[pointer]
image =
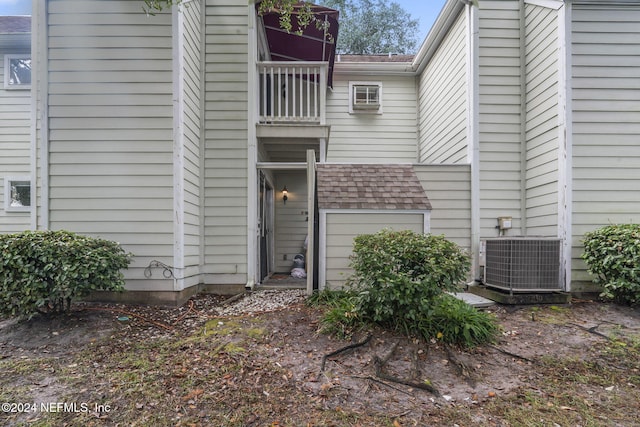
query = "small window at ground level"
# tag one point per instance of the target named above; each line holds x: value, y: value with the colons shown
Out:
x: 17, y: 71
x: 365, y: 97
x: 17, y: 194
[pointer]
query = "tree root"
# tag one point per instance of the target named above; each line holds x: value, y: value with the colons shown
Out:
x: 591, y: 330
x: 415, y: 364
x: 343, y: 349
x: 508, y: 353
x: 376, y: 380
x: 380, y: 363
x: 461, y: 369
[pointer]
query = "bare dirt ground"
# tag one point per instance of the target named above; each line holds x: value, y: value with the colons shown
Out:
x: 114, y: 365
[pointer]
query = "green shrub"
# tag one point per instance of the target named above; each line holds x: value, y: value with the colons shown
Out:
x: 398, y: 274
x: 341, y: 317
x: 612, y: 254
x: 453, y: 321
x: 43, y: 271
x: 399, y: 281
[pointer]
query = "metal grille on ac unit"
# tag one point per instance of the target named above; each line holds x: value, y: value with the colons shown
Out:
x: 522, y: 264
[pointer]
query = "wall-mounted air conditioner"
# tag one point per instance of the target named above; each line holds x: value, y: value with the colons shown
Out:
x: 522, y: 264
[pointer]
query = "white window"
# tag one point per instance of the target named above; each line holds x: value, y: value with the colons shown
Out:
x: 17, y: 71
x: 365, y: 97
x: 17, y: 194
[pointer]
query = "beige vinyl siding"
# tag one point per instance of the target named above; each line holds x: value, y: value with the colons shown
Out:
x: 111, y: 128
x: 226, y: 86
x: 541, y: 121
x: 389, y: 137
x: 442, y: 102
x: 448, y: 188
x: 499, y: 115
x: 606, y: 121
x: 290, y: 218
x: 191, y: 122
x: 342, y: 228
x: 15, y: 113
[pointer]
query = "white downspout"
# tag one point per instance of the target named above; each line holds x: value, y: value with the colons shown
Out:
x: 473, y: 132
x: 33, y: 118
x: 178, y: 149
x: 565, y: 133
x: 43, y: 59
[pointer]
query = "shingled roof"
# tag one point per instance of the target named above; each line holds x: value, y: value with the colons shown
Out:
x: 370, y: 186
x: 15, y: 24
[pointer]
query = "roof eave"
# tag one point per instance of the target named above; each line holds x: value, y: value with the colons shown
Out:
x: 373, y: 68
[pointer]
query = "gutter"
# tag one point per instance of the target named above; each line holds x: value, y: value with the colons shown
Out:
x: 373, y: 68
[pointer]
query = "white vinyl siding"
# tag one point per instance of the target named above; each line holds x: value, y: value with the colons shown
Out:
x: 191, y: 129
x: 541, y: 121
x: 15, y: 111
x: 226, y: 133
x: 111, y: 128
x: 443, y: 99
x: 342, y: 228
x: 373, y: 138
x: 606, y: 121
x: 499, y: 115
x: 448, y: 188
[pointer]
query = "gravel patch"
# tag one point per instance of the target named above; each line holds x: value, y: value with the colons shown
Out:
x: 262, y: 301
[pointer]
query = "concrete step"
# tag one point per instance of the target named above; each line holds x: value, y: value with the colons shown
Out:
x: 474, y: 300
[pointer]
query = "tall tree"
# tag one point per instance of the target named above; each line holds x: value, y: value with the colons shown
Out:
x: 366, y: 26
x: 285, y: 8
x: 374, y: 27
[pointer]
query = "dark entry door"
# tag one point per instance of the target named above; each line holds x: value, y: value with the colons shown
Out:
x: 265, y: 226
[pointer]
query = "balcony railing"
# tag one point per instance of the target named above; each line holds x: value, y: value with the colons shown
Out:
x: 292, y: 92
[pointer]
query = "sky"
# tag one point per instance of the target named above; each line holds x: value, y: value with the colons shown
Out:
x: 15, y: 7
x: 426, y: 11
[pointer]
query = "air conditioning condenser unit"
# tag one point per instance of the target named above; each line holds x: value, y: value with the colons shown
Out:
x: 522, y: 264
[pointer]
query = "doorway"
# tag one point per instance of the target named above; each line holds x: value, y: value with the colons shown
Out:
x: 287, y: 226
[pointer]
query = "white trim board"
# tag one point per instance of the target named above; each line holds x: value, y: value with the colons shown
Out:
x: 178, y: 149
x: 550, y: 4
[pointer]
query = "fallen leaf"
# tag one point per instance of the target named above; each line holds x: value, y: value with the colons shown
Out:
x: 193, y: 394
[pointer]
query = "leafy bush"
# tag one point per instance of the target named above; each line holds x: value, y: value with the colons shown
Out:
x: 455, y: 322
x: 43, y: 271
x: 612, y: 254
x: 398, y: 274
x: 399, y: 281
x: 451, y: 321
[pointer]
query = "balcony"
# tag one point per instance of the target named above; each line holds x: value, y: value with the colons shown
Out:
x: 292, y: 93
